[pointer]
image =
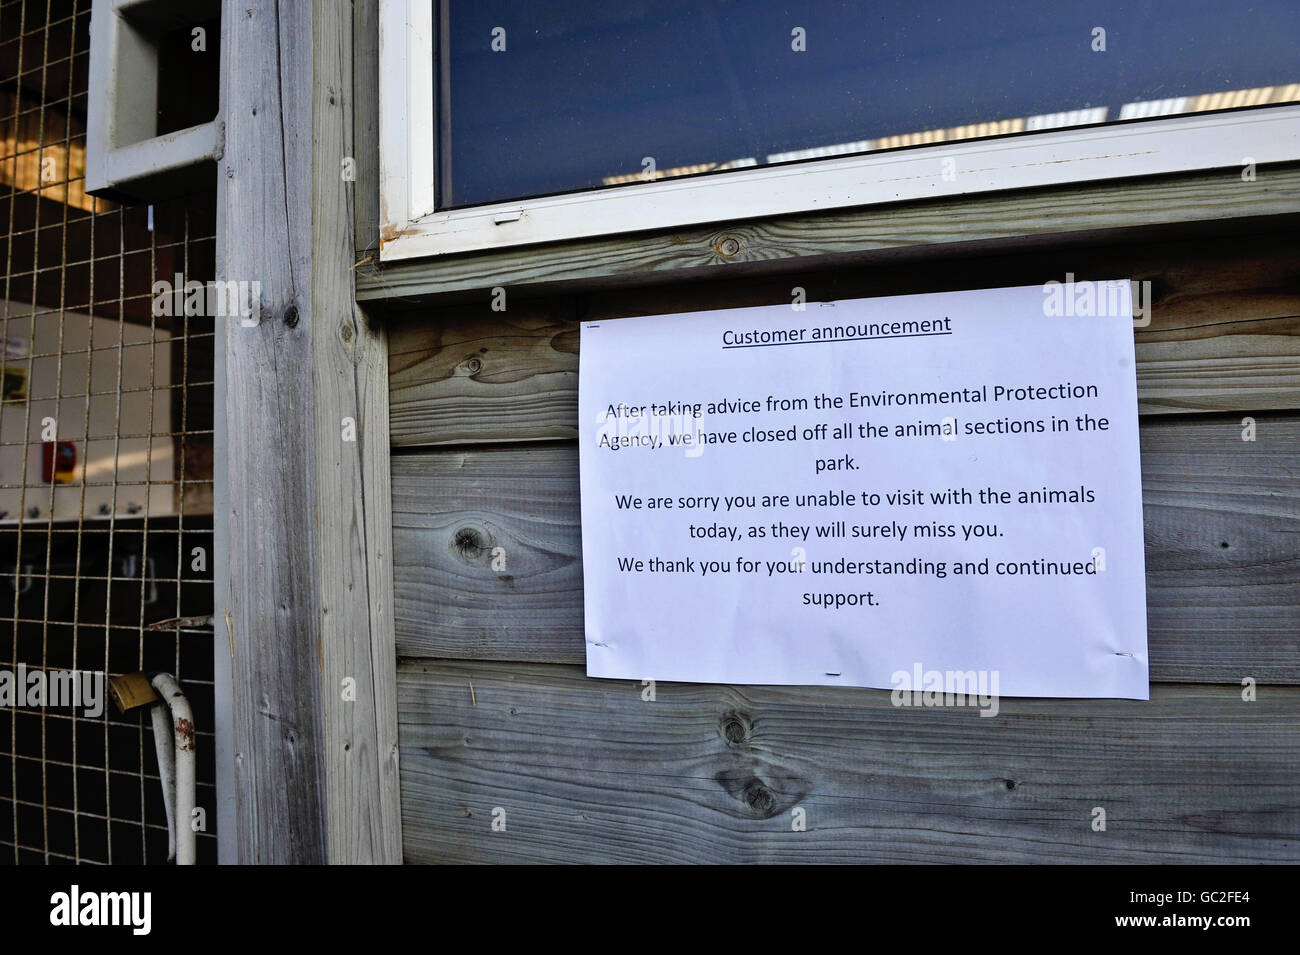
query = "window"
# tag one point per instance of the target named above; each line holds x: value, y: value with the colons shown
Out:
x: 511, y: 123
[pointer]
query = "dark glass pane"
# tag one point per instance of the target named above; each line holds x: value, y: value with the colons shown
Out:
x: 585, y: 90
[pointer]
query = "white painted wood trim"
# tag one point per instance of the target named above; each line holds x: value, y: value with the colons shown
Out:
x: 406, y: 113
x: 123, y: 156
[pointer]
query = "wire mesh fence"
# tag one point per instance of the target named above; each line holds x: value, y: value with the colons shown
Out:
x: 105, y: 467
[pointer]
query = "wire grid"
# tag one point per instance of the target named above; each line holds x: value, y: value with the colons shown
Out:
x: 127, y: 586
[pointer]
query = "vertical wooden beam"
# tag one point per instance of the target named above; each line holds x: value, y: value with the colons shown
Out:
x: 270, y: 605
x: 354, y: 516
x: 305, y: 591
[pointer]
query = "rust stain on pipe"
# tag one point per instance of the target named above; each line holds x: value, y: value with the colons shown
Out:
x: 185, y: 734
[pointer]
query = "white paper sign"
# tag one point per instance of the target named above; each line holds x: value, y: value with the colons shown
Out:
x: 869, y: 493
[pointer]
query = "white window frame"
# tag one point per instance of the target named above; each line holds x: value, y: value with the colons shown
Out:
x: 411, y: 227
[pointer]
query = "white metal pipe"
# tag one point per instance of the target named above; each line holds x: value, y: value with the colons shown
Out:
x: 183, y: 742
x: 164, y: 745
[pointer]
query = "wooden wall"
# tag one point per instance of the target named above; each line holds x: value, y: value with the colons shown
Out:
x: 495, y: 711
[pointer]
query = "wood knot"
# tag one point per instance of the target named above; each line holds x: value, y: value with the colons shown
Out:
x: 753, y: 797
x: 760, y: 799
x: 470, y: 543
x: 291, y: 316
x: 728, y: 246
x: 736, y: 728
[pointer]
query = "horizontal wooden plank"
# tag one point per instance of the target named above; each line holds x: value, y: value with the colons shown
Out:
x: 1151, y: 206
x: 1222, y: 527
x: 1224, y: 334
x: 582, y: 770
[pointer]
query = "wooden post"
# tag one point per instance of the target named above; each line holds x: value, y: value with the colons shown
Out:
x: 305, y: 590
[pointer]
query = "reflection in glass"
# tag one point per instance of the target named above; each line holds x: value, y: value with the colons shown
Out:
x: 543, y: 97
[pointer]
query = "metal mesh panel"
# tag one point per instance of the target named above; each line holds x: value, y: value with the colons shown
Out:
x: 105, y: 464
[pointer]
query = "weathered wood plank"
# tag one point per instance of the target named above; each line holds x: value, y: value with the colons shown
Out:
x: 1153, y: 206
x: 1224, y: 334
x: 269, y: 606
x: 353, y: 520
x: 303, y: 589
x: 589, y: 771
x: 1222, y: 528
x: 365, y: 123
